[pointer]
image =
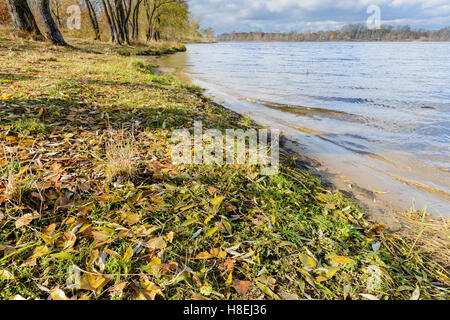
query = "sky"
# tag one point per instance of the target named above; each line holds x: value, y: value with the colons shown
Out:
x: 314, y: 15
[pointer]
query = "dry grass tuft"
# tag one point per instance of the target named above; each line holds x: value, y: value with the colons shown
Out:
x: 121, y: 162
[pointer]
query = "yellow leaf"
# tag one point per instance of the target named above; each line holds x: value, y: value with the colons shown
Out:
x: 320, y: 199
x: 229, y: 281
x: 6, y: 96
x: 204, y: 255
x: 376, y: 229
x: 58, y: 294
x: 23, y: 169
x: 39, y: 252
x: 50, y: 229
x: 211, y: 231
x: 218, y: 253
x: 267, y: 291
x: 6, y: 275
x: 128, y: 254
x: 331, y: 271
x: 208, y: 219
x: 217, y: 201
x: 342, y: 260
x: 100, y: 235
x: 155, y: 261
x: 92, y: 282
x: 61, y: 255
x: 170, y: 236
x: 149, y: 291
x: 131, y: 218
x: 188, y: 207
x: 157, y: 243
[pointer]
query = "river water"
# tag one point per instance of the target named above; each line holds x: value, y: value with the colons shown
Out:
x: 375, y: 115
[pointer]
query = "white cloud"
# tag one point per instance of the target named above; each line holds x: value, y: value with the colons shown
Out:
x: 287, y: 15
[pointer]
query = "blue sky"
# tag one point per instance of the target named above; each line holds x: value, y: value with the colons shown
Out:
x: 304, y: 15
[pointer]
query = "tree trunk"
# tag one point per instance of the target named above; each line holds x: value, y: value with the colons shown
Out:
x: 51, y: 30
x: 93, y: 18
x: 22, y: 17
x: 135, y: 21
x: 111, y: 21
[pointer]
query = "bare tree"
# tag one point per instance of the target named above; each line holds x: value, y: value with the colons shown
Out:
x: 22, y: 17
x: 56, y: 8
x: 93, y: 18
x: 135, y: 20
x: 153, y: 11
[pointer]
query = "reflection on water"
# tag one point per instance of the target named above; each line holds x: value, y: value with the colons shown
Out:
x: 375, y: 113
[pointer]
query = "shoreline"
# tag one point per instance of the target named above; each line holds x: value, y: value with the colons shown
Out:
x: 399, y: 220
x: 384, y: 179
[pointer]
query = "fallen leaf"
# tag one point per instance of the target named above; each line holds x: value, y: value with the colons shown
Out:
x: 131, y: 218
x: 100, y: 235
x: 212, y: 190
x: 342, y: 260
x: 211, y: 231
x: 218, y: 253
x: 157, y: 243
x: 376, y: 246
x: 92, y: 282
x: 39, y: 252
x: 204, y: 255
x: 49, y: 230
x: 149, y: 291
x: 24, y: 220
x: 67, y: 241
x: 118, y: 288
x: 6, y: 275
x: 378, y: 228
x: 58, y: 294
x: 369, y: 296
x: 416, y: 294
x: 128, y: 254
x: 217, y: 201
x: 307, y: 261
x: 170, y: 236
x: 241, y: 286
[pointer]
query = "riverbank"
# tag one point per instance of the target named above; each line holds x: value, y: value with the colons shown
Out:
x: 380, y: 207
x: 87, y: 184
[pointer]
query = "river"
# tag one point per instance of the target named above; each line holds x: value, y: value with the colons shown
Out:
x: 376, y: 115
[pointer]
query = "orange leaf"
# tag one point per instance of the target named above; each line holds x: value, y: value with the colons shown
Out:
x: 241, y: 286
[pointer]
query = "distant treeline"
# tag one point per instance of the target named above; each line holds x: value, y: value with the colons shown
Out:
x: 352, y: 32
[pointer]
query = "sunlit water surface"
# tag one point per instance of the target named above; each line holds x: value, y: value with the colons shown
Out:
x: 376, y: 114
